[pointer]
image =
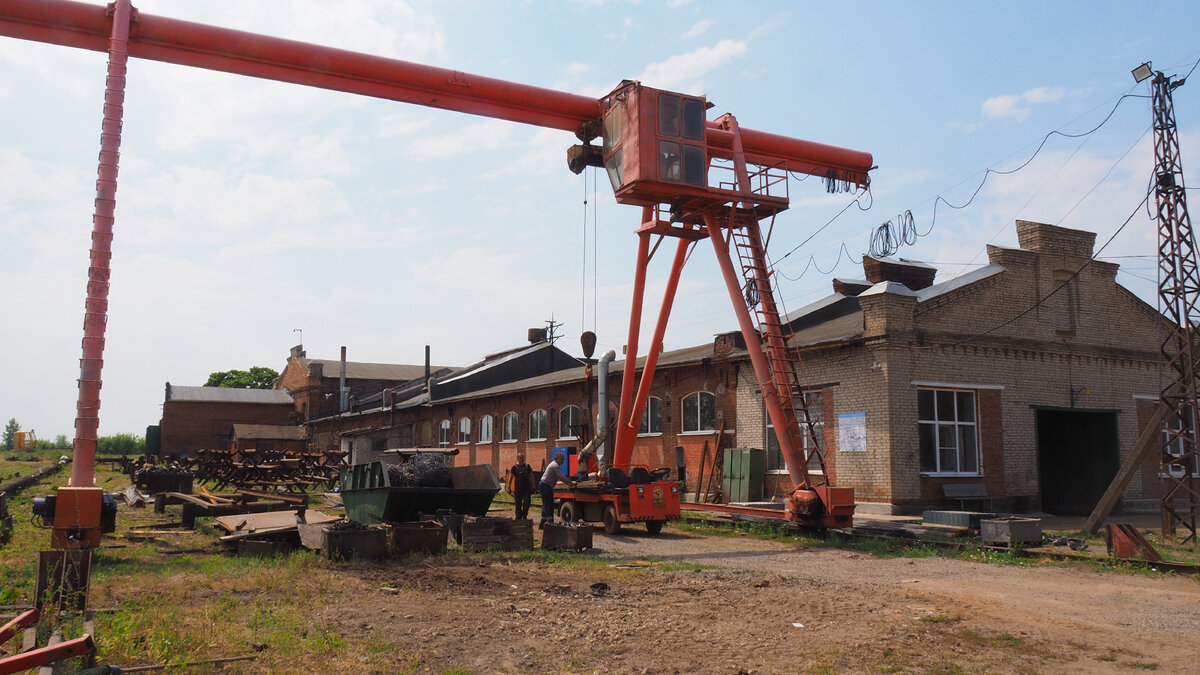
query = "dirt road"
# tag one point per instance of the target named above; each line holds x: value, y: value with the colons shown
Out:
x: 725, y: 604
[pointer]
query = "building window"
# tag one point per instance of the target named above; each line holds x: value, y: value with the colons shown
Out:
x: 815, y: 401
x: 568, y: 422
x: 651, y: 417
x: 444, y: 434
x: 464, y: 430
x: 948, y: 432
x: 699, y: 412
x: 1176, y: 446
x: 485, y: 429
x: 510, y: 427
x: 537, y: 425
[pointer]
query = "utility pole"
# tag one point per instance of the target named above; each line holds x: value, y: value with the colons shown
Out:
x: 1178, y: 295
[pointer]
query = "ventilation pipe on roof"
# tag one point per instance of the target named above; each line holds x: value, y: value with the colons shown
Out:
x: 343, y: 398
x: 602, y: 400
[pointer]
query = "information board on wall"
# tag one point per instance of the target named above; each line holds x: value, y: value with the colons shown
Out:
x: 852, y: 432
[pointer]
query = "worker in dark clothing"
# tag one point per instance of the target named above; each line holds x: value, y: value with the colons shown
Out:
x: 522, y: 485
x: 550, y: 477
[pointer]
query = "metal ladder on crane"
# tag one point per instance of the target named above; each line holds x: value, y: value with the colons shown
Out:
x: 783, y: 361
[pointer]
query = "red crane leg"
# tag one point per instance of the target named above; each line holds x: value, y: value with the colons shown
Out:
x: 624, y: 451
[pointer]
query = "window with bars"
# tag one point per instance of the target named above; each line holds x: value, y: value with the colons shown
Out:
x: 815, y: 401
x: 949, y: 435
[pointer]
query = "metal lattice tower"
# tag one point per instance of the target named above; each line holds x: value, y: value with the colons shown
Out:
x: 1178, y: 294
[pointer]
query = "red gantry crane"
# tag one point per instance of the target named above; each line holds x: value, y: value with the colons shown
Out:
x: 694, y: 179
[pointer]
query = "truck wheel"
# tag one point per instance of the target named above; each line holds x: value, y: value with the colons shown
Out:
x: 611, y: 524
x: 567, y: 512
x: 654, y: 526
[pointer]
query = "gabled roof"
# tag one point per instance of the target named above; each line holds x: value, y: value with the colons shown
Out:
x: 227, y: 395
x: 268, y: 432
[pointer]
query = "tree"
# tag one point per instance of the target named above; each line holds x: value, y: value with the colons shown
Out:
x: 121, y: 444
x: 10, y: 433
x: 255, y: 378
x: 60, y: 441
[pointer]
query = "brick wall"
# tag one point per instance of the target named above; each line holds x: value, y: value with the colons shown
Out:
x: 188, y: 426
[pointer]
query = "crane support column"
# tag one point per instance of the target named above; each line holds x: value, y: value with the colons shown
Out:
x: 77, y: 518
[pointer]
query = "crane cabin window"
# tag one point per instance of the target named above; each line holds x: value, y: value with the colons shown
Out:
x: 682, y: 118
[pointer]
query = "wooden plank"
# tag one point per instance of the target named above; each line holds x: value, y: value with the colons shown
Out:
x: 250, y: 523
x: 1146, y: 441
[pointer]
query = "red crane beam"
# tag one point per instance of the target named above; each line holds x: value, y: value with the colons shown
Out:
x: 86, y: 26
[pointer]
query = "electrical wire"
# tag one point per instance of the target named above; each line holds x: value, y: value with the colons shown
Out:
x: 1051, y: 294
x: 889, y: 236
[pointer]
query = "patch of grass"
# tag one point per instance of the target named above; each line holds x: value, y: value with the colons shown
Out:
x: 980, y: 640
x: 1140, y: 665
x: 939, y: 618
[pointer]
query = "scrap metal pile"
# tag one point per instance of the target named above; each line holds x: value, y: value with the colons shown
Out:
x: 256, y: 469
x: 420, y: 471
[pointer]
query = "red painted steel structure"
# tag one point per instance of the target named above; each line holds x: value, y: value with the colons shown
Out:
x: 87, y: 422
x: 648, y: 175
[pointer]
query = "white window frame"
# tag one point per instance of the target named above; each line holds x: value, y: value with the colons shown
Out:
x: 485, y: 429
x: 959, y: 426
x: 444, y: 434
x: 815, y: 400
x: 464, y: 431
x: 540, y: 414
x: 651, y: 424
x: 567, y: 410
x: 504, y: 429
x: 700, y: 428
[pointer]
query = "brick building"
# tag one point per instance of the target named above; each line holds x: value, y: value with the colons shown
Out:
x: 201, y: 418
x: 1032, y: 376
x: 314, y: 383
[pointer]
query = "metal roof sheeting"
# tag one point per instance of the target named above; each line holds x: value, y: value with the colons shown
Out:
x: 227, y: 395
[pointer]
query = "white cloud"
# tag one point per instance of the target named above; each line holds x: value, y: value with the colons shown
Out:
x: 1016, y: 106
x: 678, y: 3
x: 487, y: 135
x: 682, y: 72
x: 698, y: 29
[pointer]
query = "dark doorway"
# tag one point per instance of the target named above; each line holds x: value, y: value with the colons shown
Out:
x: 1077, y: 458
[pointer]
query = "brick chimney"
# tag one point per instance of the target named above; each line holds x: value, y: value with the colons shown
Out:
x: 1054, y: 241
x: 915, y: 275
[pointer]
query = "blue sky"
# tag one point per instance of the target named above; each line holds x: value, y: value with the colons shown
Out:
x: 248, y: 209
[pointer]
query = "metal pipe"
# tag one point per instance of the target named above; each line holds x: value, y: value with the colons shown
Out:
x: 75, y: 24
x: 342, y: 397
x: 95, y: 313
x: 602, y: 402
